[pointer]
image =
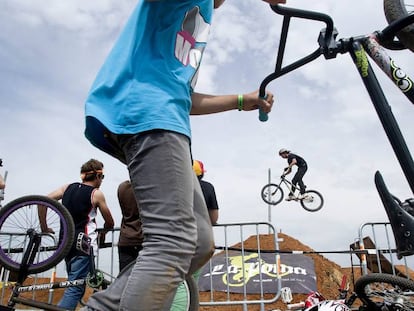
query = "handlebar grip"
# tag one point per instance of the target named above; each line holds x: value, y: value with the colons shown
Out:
x: 263, y: 116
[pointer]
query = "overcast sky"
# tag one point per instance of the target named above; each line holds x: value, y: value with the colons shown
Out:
x: 51, y: 50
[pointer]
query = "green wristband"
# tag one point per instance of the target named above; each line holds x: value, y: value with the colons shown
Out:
x: 240, y: 102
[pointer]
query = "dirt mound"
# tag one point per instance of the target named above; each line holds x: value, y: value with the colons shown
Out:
x: 329, y: 277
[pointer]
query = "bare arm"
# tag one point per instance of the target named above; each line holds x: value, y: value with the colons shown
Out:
x: 100, y: 202
x: 2, y: 183
x: 294, y: 162
x: 289, y: 168
x: 42, y: 211
x: 206, y: 104
x: 58, y: 193
x: 213, y: 213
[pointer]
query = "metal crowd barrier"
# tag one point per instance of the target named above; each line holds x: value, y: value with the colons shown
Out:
x: 242, y: 254
x: 377, y: 241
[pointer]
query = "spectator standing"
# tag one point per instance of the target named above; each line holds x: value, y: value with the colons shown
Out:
x: 83, y: 200
x: 208, y: 192
x: 130, y: 235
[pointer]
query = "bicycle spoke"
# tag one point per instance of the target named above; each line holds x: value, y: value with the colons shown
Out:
x: 390, y: 295
x: 21, y: 234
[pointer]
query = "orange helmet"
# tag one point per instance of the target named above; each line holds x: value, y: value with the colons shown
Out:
x: 198, y: 167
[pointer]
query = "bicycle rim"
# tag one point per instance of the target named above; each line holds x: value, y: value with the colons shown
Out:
x: 395, y: 9
x: 313, y: 201
x: 272, y: 194
x: 378, y: 289
x: 19, y: 217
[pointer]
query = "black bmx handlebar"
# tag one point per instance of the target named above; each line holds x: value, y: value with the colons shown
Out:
x: 328, y: 45
x: 326, y: 48
x: 288, y: 13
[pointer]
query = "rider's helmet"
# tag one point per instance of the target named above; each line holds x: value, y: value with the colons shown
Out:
x: 198, y: 167
x: 329, y: 305
x: 283, y: 150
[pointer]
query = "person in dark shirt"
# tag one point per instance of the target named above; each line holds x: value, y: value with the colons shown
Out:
x: 130, y: 235
x: 208, y: 191
x: 294, y: 159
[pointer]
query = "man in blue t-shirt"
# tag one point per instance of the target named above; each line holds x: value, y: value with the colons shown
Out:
x: 294, y: 159
x: 138, y: 110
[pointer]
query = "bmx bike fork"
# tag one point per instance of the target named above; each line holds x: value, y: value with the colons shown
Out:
x: 383, y: 110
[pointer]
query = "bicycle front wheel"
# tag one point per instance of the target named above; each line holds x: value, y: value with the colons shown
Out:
x: 272, y: 194
x: 378, y: 290
x: 395, y: 9
x: 20, y: 226
x: 312, y: 201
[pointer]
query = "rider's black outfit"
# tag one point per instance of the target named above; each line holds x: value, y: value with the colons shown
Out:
x: 302, y: 168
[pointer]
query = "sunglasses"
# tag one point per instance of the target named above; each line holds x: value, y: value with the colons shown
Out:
x: 101, y: 176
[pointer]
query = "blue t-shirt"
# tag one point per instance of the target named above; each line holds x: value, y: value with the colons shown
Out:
x: 147, y: 80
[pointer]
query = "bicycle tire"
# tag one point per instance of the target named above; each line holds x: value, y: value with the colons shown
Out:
x: 395, y: 9
x: 272, y: 194
x: 186, y: 297
x: 379, y: 289
x: 313, y: 201
x: 19, y: 217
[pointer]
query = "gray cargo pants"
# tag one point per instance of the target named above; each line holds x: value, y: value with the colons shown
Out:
x: 178, y: 237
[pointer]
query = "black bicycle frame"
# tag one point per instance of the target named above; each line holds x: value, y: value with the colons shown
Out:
x: 358, y: 47
x: 28, y: 258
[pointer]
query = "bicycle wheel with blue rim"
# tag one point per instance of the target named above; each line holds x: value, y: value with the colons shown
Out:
x: 20, y: 223
x: 272, y: 194
x: 395, y: 9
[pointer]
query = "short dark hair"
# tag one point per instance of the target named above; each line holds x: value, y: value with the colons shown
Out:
x: 91, y: 169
